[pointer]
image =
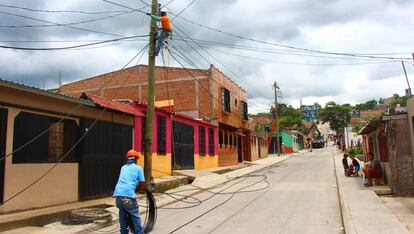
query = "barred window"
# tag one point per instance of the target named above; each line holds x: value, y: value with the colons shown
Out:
x: 143, y: 126
x: 202, y: 140
x: 245, y: 114
x: 211, y: 148
x: 161, y: 136
x: 49, y: 147
x: 225, y: 100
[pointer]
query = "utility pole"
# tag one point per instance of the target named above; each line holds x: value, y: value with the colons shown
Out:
x: 150, y: 98
x: 276, y: 116
x: 407, y: 91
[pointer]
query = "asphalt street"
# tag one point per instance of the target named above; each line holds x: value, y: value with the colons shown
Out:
x: 298, y: 195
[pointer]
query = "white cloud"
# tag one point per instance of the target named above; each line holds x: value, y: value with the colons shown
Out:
x: 369, y: 26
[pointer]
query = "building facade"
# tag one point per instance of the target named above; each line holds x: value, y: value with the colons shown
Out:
x: 202, y: 94
x: 55, y: 149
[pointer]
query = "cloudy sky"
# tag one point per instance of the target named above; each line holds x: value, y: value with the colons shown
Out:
x: 381, y: 28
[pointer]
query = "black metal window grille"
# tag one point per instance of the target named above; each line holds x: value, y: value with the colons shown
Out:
x: 245, y: 114
x: 225, y: 100
x: 49, y: 147
x: 202, y: 140
x: 161, y: 135
x: 220, y: 138
x: 143, y: 125
x: 211, y: 148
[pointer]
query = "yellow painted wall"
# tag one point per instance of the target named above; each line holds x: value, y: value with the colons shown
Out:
x: 205, y: 162
x: 161, y: 164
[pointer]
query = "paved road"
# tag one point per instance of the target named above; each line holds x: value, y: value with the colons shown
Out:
x: 301, y: 197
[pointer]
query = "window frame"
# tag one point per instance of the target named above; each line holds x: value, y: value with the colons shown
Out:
x: 28, y: 125
x: 225, y: 100
x: 245, y: 111
x: 211, y: 142
x: 161, y: 135
x: 202, y: 141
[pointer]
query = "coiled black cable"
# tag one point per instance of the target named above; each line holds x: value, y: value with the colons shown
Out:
x: 151, y: 214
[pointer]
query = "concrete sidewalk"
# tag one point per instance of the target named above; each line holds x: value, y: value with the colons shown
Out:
x: 362, y: 209
x: 203, y: 180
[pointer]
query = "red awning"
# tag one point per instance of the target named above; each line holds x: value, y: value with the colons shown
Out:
x: 118, y: 106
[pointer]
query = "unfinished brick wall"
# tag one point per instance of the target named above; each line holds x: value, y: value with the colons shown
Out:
x: 400, y: 158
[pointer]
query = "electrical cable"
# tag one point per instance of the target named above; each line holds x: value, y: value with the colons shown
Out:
x: 191, y: 63
x: 66, y: 24
x: 71, y: 47
x: 306, y: 64
x: 281, y: 51
x: 60, y: 11
x: 73, y: 147
x: 70, y: 113
x: 362, y: 55
x: 191, y: 3
x: 220, y: 62
x: 58, y: 24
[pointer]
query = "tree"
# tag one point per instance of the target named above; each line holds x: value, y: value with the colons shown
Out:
x: 367, y: 105
x: 399, y: 100
x: 289, y: 118
x: 338, y: 116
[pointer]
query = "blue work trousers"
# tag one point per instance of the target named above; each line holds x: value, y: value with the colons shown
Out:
x: 161, y: 37
x: 128, y: 205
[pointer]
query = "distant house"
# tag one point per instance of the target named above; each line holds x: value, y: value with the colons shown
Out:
x: 309, y: 113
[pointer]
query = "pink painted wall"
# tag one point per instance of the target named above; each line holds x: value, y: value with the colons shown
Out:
x: 138, y: 134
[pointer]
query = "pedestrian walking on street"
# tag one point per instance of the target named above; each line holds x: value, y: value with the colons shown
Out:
x: 130, y: 179
x: 282, y: 149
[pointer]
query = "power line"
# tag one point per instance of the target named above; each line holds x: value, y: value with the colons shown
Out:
x: 294, y: 47
x: 195, y: 79
x: 70, y: 113
x: 215, y: 58
x: 70, y: 47
x: 78, y: 141
x: 359, y: 55
x: 308, y: 64
x: 60, y: 11
x: 67, y: 24
x: 191, y: 3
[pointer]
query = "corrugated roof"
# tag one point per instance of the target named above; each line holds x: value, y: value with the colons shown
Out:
x: 109, y: 104
x: 43, y: 92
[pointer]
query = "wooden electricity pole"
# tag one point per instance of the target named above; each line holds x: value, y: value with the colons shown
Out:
x: 276, y: 116
x: 150, y: 98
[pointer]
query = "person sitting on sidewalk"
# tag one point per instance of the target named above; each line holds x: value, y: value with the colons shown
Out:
x: 356, y: 165
x: 345, y: 164
x: 372, y: 170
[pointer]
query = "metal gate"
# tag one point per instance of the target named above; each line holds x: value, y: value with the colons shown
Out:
x: 3, y: 124
x: 102, y: 154
x: 183, y: 147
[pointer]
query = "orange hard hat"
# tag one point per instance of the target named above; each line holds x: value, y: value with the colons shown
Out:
x: 132, y: 153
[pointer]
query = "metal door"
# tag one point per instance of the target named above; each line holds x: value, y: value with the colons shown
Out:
x: 183, y: 147
x: 3, y: 126
x: 102, y: 155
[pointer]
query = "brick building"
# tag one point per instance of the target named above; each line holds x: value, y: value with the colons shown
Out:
x: 204, y: 94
